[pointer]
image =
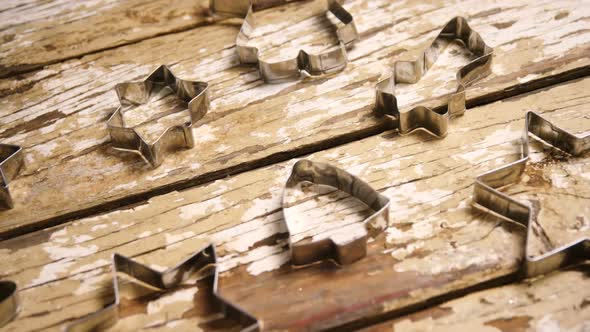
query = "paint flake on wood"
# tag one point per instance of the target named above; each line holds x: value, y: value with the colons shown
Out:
x: 436, y: 244
x: 557, y: 302
x: 58, y: 114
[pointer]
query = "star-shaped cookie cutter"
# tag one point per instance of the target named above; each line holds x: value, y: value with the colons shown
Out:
x: 11, y: 163
x: 206, y: 257
x: 435, y: 121
x: 194, y: 93
x: 8, y: 302
x: 323, y: 63
x: 486, y: 194
x: 341, y: 250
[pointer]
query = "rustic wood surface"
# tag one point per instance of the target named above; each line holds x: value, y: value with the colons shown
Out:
x: 437, y: 244
x: 441, y: 265
x: 58, y: 114
x: 558, y: 302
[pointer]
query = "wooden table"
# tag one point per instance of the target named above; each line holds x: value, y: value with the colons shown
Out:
x: 441, y: 265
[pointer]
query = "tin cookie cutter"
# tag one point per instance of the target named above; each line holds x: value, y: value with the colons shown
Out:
x: 323, y: 63
x: 172, y: 277
x: 343, y: 251
x: 486, y: 194
x: 124, y: 138
x: 435, y: 121
x: 11, y: 163
x: 8, y: 302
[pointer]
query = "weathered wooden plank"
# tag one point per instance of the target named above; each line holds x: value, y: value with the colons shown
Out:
x: 59, y: 116
x: 436, y: 244
x: 36, y: 33
x: 558, y: 302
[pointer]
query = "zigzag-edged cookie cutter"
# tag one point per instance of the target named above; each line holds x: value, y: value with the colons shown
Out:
x: 343, y: 251
x: 172, y: 277
x: 8, y: 302
x: 486, y: 194
x: 194, y: 93
x: 326, y: 62
x: 11, y: 163
x: 434, y: 121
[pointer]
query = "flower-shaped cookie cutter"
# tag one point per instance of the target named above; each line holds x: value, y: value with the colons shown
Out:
x: 125, y: 138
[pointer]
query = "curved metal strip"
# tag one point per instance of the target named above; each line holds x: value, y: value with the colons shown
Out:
x: 11, y: 163
x: 342, y: 251
x: 487, y: 195
x: 193, y: 93
x: 327, y: 62
x: 204, y: 258
x: 409, y: 72
x: 8, y: 302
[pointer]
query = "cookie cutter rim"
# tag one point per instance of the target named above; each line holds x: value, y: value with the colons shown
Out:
x: 435, y: 121
x: 11, y: 163
x: 200, y: 260
x: 329, y: 248
x: 194, y: 93
x: 9, y: 303
x: 314, y: 64
x: 486, y: 194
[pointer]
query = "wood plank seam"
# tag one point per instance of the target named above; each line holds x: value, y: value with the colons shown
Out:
x: 275, y: 158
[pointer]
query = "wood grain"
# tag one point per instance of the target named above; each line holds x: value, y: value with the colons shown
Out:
x: 58, y: 114
x: 436, y: 247
x: 557, y: 302
x: 36, y: 33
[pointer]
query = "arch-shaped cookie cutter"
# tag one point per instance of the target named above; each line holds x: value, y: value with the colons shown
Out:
x: 8, y: 302
x: 124, y: 138
x: 486, y: 194
x: 323, y: 63
x: 206, y: 257
x: 343, y: 251
x: 435, y: 121
x: 11, y: 163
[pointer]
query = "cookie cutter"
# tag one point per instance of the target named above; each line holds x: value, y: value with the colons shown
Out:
x: 486, y: 194
x: 204, y: 258
x: 435, y: 121
x: 11, y: 163
x: 124, y: 138
x: 8, y: 302
x: 343, y: 251
x: 314, y: 64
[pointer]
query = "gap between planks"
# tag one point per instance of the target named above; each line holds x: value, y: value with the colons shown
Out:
x: 187, y: 181
x: 135, y: 199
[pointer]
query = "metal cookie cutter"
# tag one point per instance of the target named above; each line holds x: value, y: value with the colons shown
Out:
x: 8, y: 302
x: 434, y: 121
x: 11, y: 163
x: 133, y: 93
x: 343, y: 251
x: 326, y: 62
x: 204, y: 258
x: 487, y: 195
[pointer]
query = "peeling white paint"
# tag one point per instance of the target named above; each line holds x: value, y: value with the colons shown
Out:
x: 183, y: 295
x: 124, y: 186
x: 82, y: 238
x: 269, y: 263
x: 201, y: 209
x: 261, y: 206
x: 174, y: 238
x: 98, y: 227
